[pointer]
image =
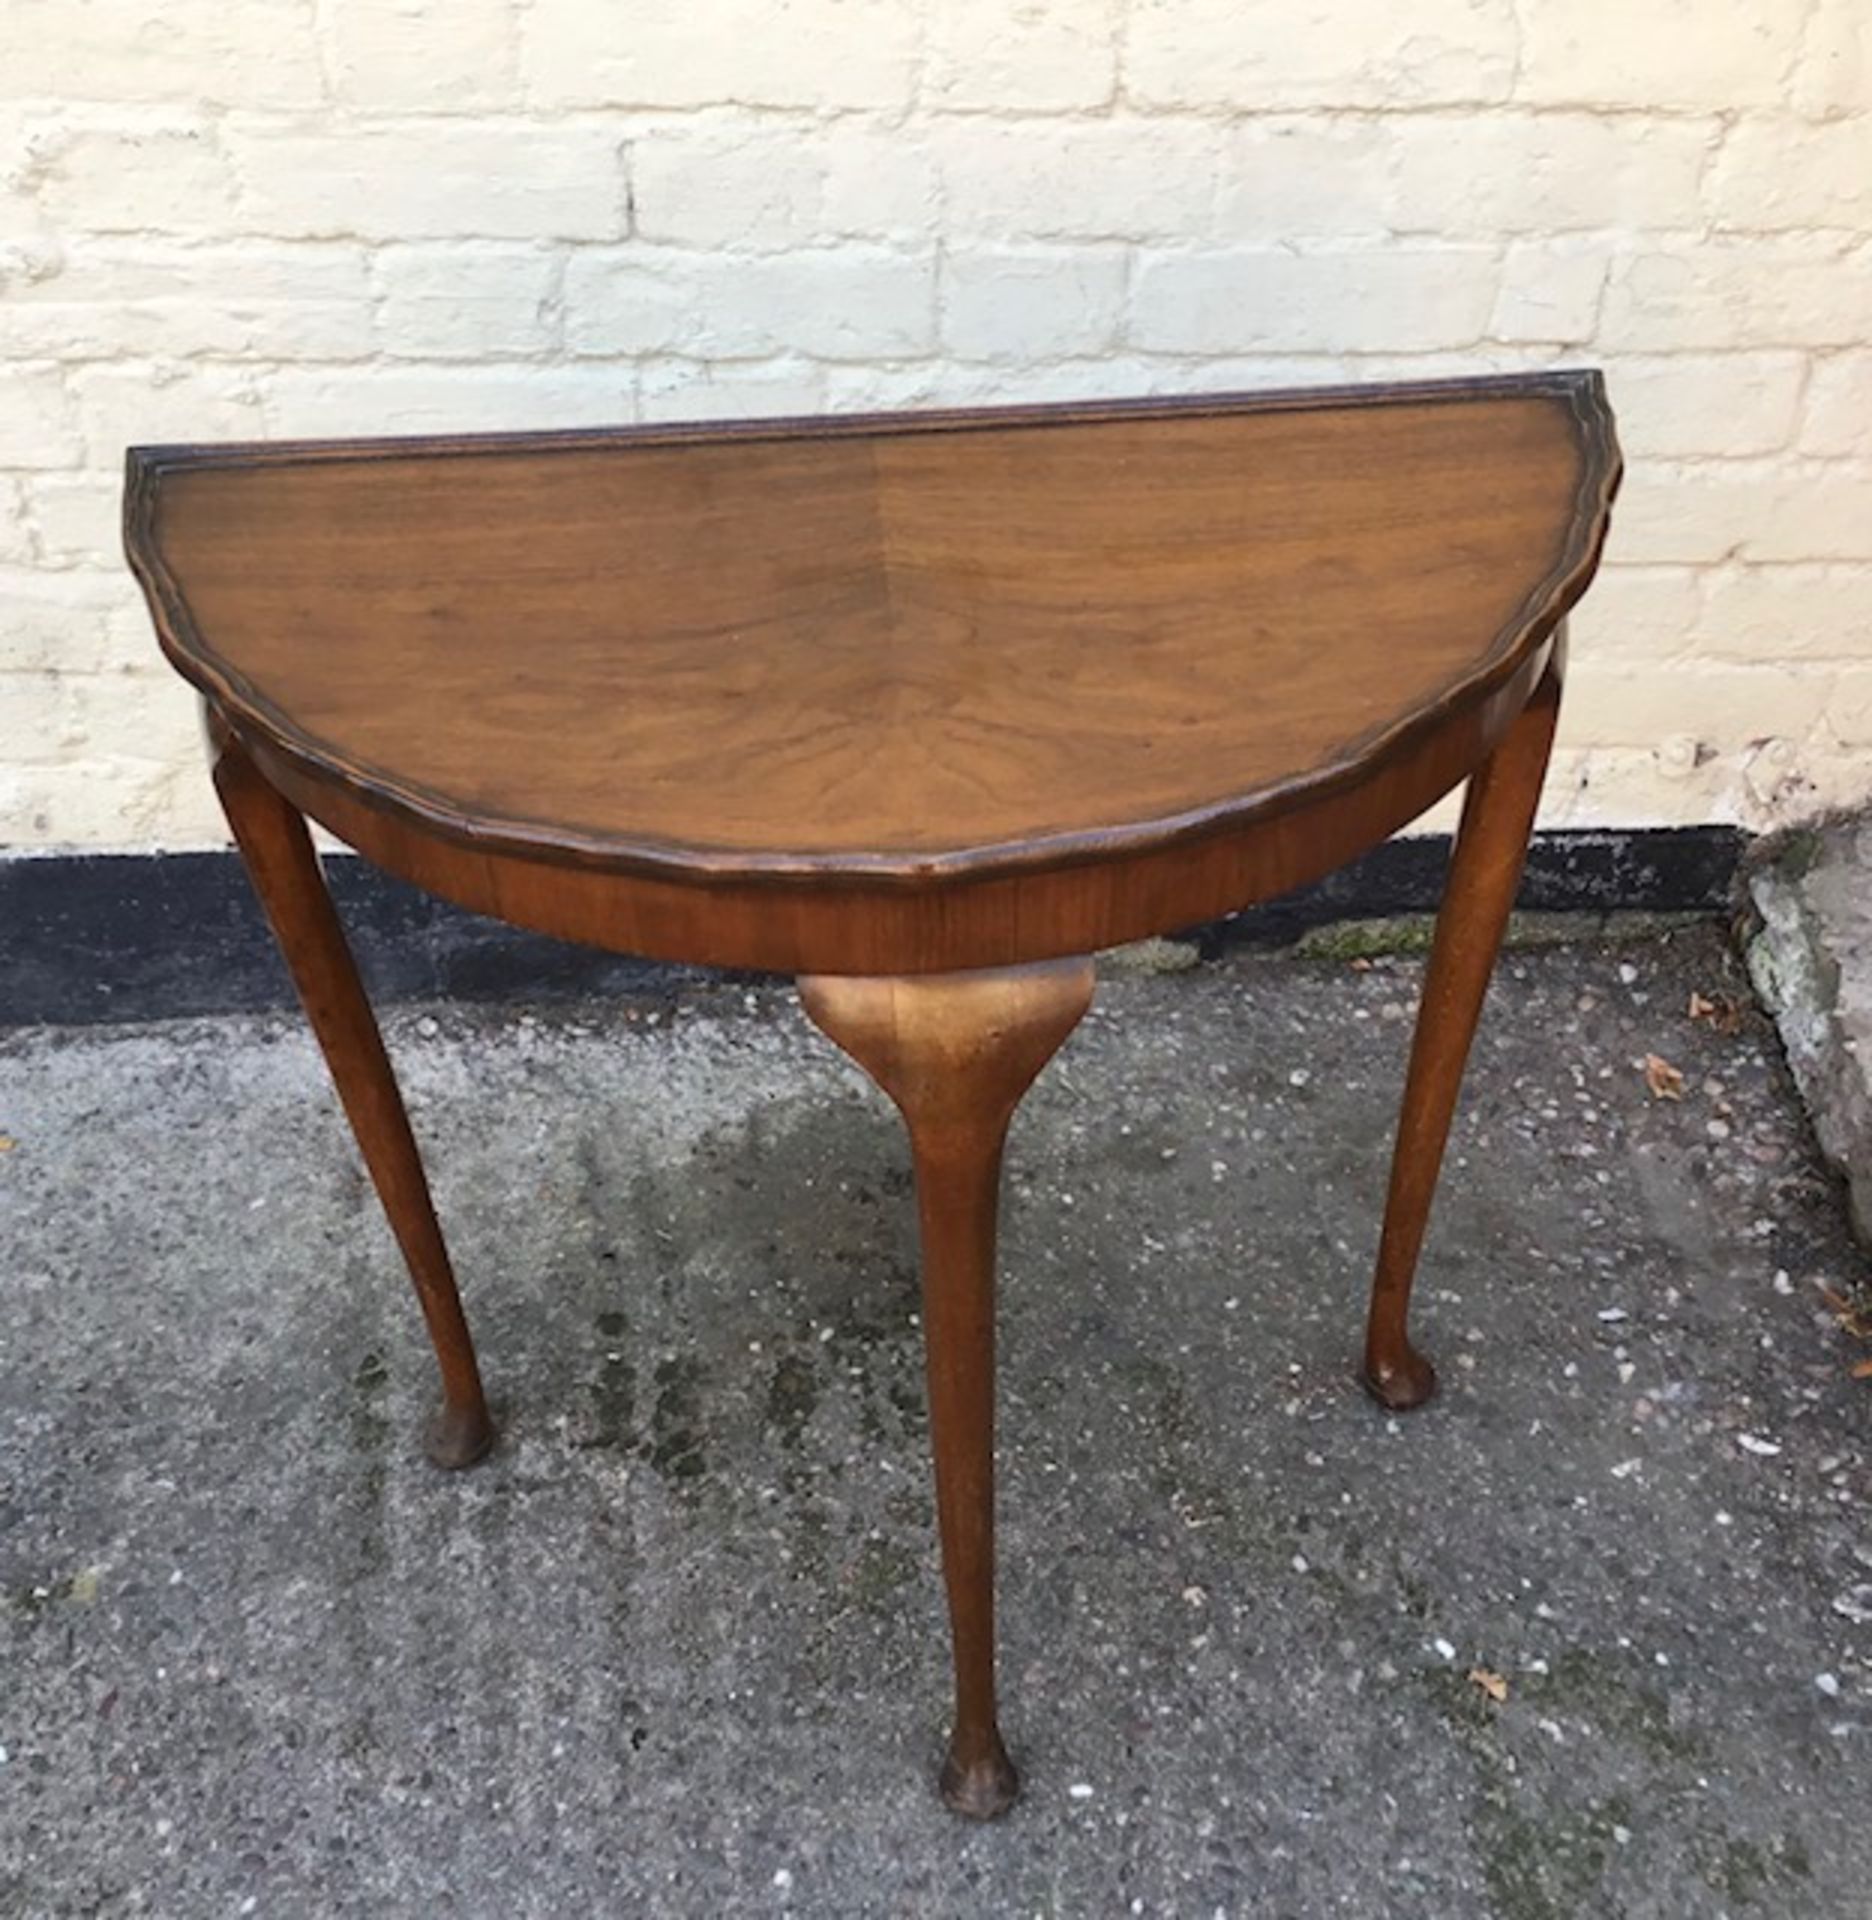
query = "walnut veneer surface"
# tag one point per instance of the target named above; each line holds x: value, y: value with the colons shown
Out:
x: 896, y: 645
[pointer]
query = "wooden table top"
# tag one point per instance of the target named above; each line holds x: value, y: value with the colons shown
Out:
x: 894, y: 646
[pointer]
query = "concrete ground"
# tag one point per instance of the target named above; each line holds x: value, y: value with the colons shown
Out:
x: 676, y: 1648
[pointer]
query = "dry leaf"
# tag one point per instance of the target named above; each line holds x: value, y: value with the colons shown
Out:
x: 1856, y: 1319
x: 1723, y: 1011
x: 7, y: 1143
x: 1665, y: 1082
x: 1490, y: 1682
x: 1359, y: 964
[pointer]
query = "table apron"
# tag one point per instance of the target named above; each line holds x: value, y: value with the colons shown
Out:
x: 802, y: 923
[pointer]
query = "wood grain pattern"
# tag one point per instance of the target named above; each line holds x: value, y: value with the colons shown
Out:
x: 279, y: 858
x: 956, y: 1052
x: 896, y: 650
x: 1485, y: 870
x: 870, y: 924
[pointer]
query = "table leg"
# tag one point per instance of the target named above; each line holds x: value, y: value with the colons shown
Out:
x: 285, y: 872
x: 1485, y: 870
x: 956, y: 1052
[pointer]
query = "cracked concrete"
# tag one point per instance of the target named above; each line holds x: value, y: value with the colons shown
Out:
x: 677, y: 1646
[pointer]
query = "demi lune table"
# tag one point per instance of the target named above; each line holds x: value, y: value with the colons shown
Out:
x: 923, y: 709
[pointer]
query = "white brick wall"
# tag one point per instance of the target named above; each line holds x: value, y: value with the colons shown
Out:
x: 341, y: 216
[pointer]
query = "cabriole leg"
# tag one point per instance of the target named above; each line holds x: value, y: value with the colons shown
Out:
x: 1485, y: 870
x: 956, y: 1052
x: 285, y: 872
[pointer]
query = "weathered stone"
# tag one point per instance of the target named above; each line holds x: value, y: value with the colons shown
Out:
x: 1811, y: 961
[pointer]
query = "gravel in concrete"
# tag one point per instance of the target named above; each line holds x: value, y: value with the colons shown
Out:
x: 677, y: 1646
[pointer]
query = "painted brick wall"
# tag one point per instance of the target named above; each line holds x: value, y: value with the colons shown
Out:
x: 250, y: 217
